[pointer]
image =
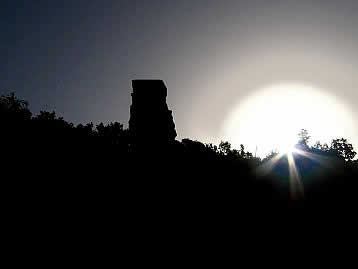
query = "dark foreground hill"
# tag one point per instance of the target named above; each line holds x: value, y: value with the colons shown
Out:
x: 105, y: 181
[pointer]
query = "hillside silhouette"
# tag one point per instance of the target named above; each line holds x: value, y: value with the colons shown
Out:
x: 102, y: 177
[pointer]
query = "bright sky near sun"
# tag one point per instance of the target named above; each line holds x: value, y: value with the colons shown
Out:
x: 271, y: 118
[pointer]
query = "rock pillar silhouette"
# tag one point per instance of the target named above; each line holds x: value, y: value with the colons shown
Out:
x: 150, y: 119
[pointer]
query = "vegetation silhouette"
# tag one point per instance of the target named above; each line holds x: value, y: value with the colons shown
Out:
x: 112, y: 177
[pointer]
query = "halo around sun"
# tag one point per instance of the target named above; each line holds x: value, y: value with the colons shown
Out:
x: 271, y: 118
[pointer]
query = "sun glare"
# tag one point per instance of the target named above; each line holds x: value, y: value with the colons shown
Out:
x: 271, y: 119
x: 288, y: 149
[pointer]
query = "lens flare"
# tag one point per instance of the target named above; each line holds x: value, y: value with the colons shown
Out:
x: 296, y: 187
x: 295, y: 183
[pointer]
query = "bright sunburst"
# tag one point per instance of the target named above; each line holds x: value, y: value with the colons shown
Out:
x: 271, y: 118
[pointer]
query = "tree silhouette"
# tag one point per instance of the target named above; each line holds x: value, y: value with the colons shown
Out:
x: 343, y: 149
x: 318, y: 146
x: 304, y: 138
x: 14, y: 109
x: 224, y: 148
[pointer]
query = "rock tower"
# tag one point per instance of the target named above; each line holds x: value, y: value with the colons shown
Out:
x: 150, y: 119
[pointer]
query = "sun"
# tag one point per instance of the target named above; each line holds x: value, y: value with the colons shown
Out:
x: 289, y: 149
x: 271, y: 119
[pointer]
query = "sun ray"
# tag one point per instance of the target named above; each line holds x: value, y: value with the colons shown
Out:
x: 296, y: 187
x: 267, y: 167
x: 322, y: 160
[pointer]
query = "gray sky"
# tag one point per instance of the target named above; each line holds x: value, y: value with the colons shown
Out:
x: 79, y: 58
